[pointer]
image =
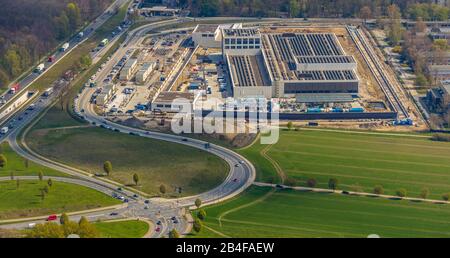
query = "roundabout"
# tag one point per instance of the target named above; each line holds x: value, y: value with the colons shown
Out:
x: 169, y: 213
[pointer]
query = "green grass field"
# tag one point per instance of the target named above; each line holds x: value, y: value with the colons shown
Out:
x: 56, y: 136
x: 57, y: 117
x: 122, y: 229
x: 26, y: 201
x: 359, y: 161
x: 156, y: 162
x: 262, y: 212
x: 18, y: 166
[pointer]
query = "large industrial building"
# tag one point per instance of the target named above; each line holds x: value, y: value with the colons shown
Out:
x: 210, y: 36
x: 276, y: 65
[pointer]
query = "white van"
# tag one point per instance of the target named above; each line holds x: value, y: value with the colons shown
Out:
x: 4, y: 130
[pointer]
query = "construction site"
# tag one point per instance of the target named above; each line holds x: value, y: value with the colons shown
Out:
x: 331, y: 74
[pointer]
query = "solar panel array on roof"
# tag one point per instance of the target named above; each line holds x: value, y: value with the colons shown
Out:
x: 301, y: 45
x: 324, y: 97
x: 242, y: 32
x: 326, y: 59
x: 248, y: 71
x: 290, y: 44
x: 289, y: 53
x: 326, y: 75
x: 243, y: 71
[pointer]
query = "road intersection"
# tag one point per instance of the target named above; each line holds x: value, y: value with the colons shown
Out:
x: 166, y: 214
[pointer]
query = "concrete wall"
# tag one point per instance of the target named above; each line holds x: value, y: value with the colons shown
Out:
x: 257, y: 91
x: 206, y: 42
x: 320, y: 87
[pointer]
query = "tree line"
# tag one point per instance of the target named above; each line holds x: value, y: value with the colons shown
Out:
x: 313, y: 8
x: 31, y: 28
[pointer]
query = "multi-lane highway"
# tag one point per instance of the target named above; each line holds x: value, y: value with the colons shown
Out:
x: 164, y: 213
x: 74, y: 42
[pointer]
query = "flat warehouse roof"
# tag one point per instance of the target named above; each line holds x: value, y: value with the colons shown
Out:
x: 201, y: 28
x: 130, y: 63
x: 325, y: 59
x: 248, y: 70
x: 284, y: 53
x: 206, y: 28
x: 241, y: 32
x: 324, y: 97
x: 169, y: 96
x: 346, y: 75
x: 301, y: 44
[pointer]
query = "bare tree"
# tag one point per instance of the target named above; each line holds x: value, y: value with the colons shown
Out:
x: 365, y: 13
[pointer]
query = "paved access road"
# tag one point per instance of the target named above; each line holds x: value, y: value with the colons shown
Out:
x: 58, y: 55
x: 165, y: 214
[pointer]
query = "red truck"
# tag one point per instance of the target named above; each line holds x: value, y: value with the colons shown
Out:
x: 52, y: 217
x: 15, y: 88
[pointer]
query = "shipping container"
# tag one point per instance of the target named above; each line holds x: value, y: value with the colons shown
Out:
x: 356, y: 110
x: 314, y: 110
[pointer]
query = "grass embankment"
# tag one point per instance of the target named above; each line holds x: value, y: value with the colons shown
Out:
x: 122, y: 229
x: 20, y: 167
x: 156, y: 162
x: 26, y: 200
x: 288, y: 213
x: 360, y: 161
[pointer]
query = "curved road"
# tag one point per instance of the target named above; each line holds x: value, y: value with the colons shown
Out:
x: 163, y: 211
x: 167, y: 214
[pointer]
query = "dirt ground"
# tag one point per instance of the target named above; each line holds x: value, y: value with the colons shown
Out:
x: 369, y: 89
x: 381, y: 126
x: 234, y: 140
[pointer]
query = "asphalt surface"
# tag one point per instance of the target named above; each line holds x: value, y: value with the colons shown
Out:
x: 165, y: 214
x: 74, y: 42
